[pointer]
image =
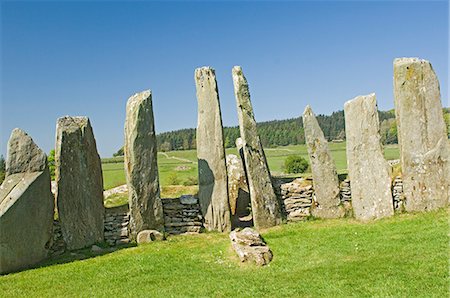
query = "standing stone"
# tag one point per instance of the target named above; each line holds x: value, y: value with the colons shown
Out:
x: 325, y: 178
x: 78, y: 172
x: 141, y: 168
x: 237, y: 183
x: 422, y: 135
x: 212, y: 171
x: 26, y: 205
x: 265, y: 206
x: 368, y: 170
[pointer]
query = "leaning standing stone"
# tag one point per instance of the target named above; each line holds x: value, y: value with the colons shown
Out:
x: 26, y: 205
x: 265, y: 206
x: 141, y: 166
x: 212, y: 171
x: 368, y: 170
x: 78, y: 172
x: 325, y: 179
x: 422, y: 135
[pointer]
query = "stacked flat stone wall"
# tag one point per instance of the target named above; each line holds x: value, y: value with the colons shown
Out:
x: 296, y: 198
x: 345, y: 192
x: 58, y: 245
x: 182, y: 215
x: 116, y: 225
x: 397, y: 194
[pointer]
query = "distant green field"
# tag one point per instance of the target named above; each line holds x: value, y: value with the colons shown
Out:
x: 180, y: 167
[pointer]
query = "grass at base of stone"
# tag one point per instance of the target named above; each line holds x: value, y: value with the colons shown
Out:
x: 405, y: 255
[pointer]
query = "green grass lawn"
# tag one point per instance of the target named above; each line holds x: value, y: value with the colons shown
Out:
x: 181, y: 166
x: 402, y: 256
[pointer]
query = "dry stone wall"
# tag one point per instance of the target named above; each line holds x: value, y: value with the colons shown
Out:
x: 296, y: 198
x: 117, y: 220
x: 182, y: 215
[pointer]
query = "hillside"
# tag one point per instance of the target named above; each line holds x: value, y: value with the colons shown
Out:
x: 283, y: 132
x: 402, y: 256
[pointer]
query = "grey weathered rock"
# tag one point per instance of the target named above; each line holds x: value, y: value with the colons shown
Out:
x: 212, y: 171
x: 265, y: 206
x: 141, y: 166
x: 146, y: 236
x: 237, y: 183
x: 422, y: 135
x: 26, y: 205
x: 249, y: 246
x: 78, y: 174
x: 325, y: 179
x: 368, y: 170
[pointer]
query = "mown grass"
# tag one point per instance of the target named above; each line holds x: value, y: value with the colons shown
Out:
x: 181, y: 166
x: 402, y: 256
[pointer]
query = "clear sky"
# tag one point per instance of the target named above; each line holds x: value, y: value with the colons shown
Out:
x: 88, y: 57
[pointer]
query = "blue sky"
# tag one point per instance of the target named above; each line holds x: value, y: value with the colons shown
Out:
x: 87, y: 58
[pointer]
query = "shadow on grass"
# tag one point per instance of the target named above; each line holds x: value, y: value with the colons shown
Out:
x: 81, y: 254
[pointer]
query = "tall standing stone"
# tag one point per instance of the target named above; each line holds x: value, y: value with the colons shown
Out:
x: 26, y: 205
x: 212, y: 171
x: 325, y: 178
x: 422, y: 135
x: 79, y: 178
x: 141, y: 166
x: 368, y: 170
x: 265, y: 206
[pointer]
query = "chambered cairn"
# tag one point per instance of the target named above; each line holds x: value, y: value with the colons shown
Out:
x: 78, y: 172
x: 422, y: 135
x: 141, y: 168
x: 26, y: 205
x: 265, y: 206
x: 325, y: 178
x: 368, y: 170
x: 212, y: 170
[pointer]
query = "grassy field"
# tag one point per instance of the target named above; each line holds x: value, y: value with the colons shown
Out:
x: 402, y: 256
x: 180, y: 167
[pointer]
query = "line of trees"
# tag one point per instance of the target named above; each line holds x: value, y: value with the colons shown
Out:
x: 283, y: 132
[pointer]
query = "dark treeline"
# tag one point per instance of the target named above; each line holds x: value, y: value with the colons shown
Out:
x: 278, y: 132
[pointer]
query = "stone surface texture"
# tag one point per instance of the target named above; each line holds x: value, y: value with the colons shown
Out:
x: 265, y: 206
x: 237, y: 183
x: 212, y: 171
x: 26, y: 205
x: 368, y: 170
x: 182, y: 215
x: 296, y: 197
x: 422, y: 135
x: 323, y: 168
x: 141, y: 168
x: 147, y: 236
x: 78, y: 173
x: 250, y: 247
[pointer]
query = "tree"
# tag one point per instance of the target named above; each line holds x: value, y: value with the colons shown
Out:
x: 51, y: 163
x: 295, y: 164
x: 2, y: 168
